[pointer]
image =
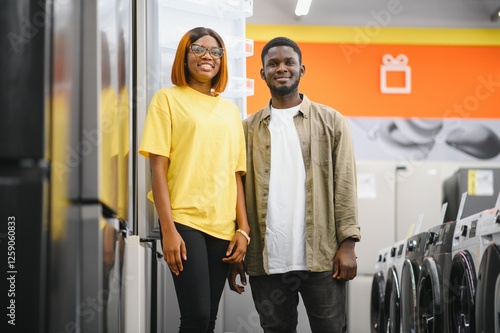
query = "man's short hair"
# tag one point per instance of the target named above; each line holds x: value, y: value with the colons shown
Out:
x: 281, y: 41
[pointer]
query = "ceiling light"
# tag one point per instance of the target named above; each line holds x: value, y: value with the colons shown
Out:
x: 302, y: 7
x: 495, y: 16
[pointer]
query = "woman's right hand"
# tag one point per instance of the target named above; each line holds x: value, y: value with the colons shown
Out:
x: 174, y: 250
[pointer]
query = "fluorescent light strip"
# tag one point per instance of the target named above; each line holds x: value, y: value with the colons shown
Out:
x: 302, y: 7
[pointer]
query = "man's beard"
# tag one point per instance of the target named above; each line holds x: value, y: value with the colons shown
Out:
x: 283, y: 91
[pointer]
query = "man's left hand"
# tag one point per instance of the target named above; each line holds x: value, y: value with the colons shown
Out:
x: 345, y: 266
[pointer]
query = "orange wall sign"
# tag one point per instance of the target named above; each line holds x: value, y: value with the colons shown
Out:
x: 441, y: 81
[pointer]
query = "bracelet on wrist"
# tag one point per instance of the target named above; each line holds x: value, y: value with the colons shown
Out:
x: 244, y: 233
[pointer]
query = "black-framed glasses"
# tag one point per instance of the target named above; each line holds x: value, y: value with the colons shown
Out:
x: 199, y: 50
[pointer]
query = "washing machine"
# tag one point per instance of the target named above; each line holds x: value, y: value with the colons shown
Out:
x: 487, y: 293
x: 414, y: 257
x: 377, y: 321
x: 432, y: 287
x: 497, y: 305
x: 392, y: 296
x: 472, y: 236
x: 466, y: 254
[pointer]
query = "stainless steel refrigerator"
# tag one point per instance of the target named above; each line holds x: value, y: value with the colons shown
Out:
x: 24, y: 169
x: 65, y: 175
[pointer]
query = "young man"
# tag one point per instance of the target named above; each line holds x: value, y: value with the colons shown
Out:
x: 300, y: 191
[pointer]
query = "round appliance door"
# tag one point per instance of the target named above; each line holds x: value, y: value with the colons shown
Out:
x: 409, y: 281
x: 392, y: 302
x: 430, y: 315
x: 486, y: 295
x: 462, y: 292
x: 497, y: 306
x: 377, y: 303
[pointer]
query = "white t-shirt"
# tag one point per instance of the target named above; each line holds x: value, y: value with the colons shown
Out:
x: 285, y: 234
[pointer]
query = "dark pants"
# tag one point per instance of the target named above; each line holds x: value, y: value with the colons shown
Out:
x: 200, y: 285
x: 276, y: 298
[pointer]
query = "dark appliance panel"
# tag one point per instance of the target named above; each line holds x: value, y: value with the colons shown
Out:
x: 23, y: 124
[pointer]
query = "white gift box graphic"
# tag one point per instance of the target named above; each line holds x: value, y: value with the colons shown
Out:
x: 391, y: 65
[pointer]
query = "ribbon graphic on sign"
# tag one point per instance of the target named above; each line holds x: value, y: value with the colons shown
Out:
x: 395, y: 64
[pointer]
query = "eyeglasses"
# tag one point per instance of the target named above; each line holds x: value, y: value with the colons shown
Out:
x: 199, y: 50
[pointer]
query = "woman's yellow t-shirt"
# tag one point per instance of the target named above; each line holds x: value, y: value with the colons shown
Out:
x: 203, y: 138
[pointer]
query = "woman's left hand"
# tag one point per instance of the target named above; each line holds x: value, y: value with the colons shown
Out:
x: 237, y: 249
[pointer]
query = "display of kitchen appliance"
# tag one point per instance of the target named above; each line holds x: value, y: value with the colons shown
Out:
x: 64, y: 164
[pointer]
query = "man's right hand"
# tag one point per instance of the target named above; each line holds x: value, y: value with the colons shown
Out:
x: 235, y: 270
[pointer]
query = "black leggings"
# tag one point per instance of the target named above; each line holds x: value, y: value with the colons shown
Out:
x: 200, y: 285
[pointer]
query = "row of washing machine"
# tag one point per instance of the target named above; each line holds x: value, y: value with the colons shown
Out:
x: 445, y: 279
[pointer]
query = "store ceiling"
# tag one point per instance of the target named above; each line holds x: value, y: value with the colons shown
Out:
x: 392, y: 13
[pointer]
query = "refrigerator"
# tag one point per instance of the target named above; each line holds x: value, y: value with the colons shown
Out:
x: 104, y: 142
x: 65, y: 175
x: 24, y: 169
x: 482, y: 186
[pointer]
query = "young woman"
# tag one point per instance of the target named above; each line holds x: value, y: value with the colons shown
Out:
x: 195, y: 142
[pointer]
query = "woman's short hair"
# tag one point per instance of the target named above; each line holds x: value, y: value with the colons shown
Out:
x: 179, y: 68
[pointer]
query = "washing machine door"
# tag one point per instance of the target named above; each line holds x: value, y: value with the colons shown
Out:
x: 409, y: 281
x: 487, y: 294
x: 429, y: 313
x: 377, y: 303
x: 497, y: 306
x: 462, y: 292
x: 392, y: 302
